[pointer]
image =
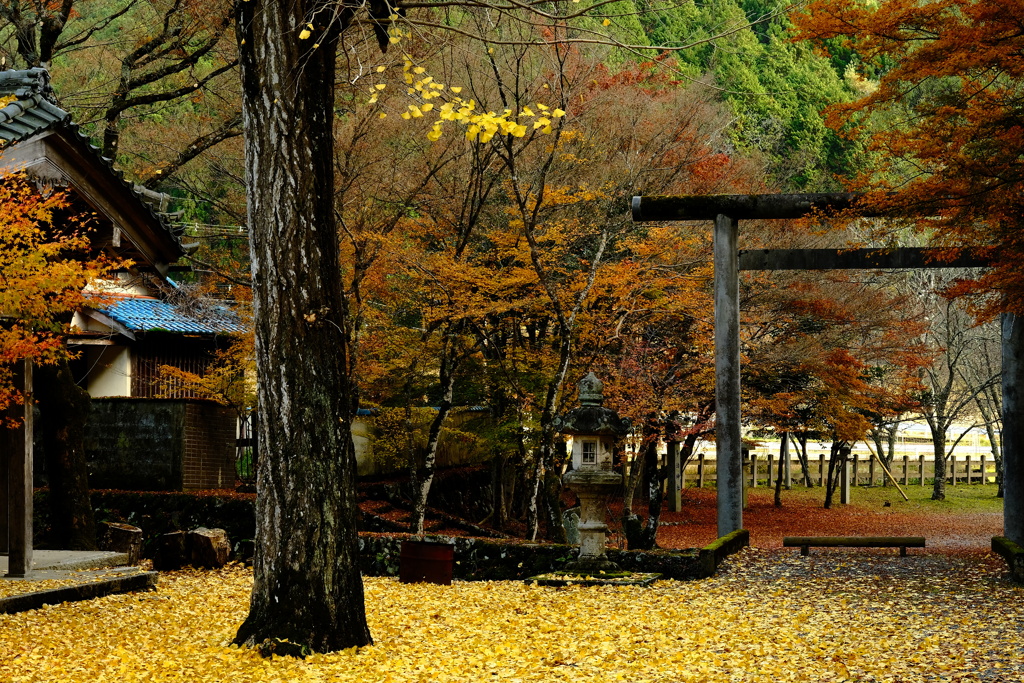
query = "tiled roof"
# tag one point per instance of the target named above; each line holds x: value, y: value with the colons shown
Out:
x: 32, y: 112
x: 146, y: 314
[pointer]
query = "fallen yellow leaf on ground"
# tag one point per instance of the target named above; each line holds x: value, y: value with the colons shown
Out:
x: 768, y: 616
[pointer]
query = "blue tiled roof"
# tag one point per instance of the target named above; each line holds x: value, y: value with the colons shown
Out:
x: 145, y: 314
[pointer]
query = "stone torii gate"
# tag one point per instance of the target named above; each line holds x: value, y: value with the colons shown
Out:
x: 726, y: 211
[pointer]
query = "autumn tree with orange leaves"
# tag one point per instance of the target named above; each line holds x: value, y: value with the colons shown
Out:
x: 44, y: 269
x: 945, y: 122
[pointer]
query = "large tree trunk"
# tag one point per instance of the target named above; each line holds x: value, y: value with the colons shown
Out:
x: 307, y: 587
x: 64, y: 410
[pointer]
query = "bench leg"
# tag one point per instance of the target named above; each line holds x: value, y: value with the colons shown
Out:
x: 804, y: 550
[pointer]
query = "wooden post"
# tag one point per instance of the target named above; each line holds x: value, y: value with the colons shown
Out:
x: 871, y: 472
x: 753, y: 470
x: 727, y: 375
x: 821, y: 469
x: 984, y: 470
x: 856, y: 470
x: 906, y: 470
x: 844, y: 475
x: 920, y: 467
x: 16, y: 450
x: 771, y: 468
x: 743, y: 480
x: 967, y: 470
x: 1013, y: 427
x: 952, y: 469
x: 700, y: 470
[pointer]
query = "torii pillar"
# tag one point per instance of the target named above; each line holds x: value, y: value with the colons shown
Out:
x: 16, y: 479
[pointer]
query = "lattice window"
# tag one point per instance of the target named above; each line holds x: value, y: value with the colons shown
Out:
x: 149, y: 382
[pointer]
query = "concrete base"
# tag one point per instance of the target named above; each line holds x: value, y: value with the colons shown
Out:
x: 68, y: 560
x: 109, y: 582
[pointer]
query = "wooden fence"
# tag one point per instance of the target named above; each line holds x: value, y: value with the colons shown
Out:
x: 761, y: 471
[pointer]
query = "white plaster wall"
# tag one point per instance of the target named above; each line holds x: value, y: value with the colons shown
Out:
x: 111, y: 373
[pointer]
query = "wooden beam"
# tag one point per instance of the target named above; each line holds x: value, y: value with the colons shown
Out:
x: 859, y: 259
x: 740, y: 206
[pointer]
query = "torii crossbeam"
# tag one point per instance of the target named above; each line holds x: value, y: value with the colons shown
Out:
x: 726, y: 211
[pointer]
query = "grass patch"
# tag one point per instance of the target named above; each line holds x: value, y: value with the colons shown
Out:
x: 959, y: 499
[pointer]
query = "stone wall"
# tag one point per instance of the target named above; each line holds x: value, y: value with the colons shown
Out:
x: 160, y: 445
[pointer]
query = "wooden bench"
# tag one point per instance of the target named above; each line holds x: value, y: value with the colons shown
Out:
x: 807, y: 542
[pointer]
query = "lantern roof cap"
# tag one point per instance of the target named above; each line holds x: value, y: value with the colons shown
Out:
x: 591, y: 417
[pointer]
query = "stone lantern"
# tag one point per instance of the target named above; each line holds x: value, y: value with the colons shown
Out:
x: 594, y: 430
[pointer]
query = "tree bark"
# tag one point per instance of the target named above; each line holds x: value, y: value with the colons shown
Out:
x: 307, y: 587
x: 430, y: 458
x: 939, y: 453
x: 801, y: 454
x: 64, y: 410
x: 836, y: 461
x: 644, y: 536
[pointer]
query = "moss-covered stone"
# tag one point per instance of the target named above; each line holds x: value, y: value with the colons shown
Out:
x: 1013, y: 554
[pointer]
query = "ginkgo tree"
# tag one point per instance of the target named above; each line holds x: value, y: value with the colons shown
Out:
x: 307, y: 589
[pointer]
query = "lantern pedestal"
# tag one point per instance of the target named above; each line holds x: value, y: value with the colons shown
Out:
x: 593, y: 487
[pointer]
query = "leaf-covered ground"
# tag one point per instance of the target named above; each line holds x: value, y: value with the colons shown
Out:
x: 966, y: 521
x: 770, y: 615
